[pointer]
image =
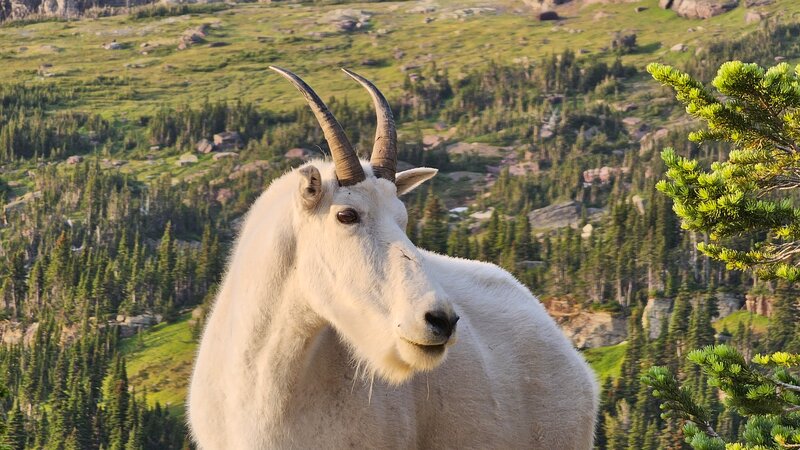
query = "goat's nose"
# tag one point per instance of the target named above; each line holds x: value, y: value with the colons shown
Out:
x: 441, y: 323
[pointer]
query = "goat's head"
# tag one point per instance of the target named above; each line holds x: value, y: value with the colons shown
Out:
x: 362, y: 274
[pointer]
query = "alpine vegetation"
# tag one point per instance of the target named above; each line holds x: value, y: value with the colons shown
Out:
x: 325, y: 291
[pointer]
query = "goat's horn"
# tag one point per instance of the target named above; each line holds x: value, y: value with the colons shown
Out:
x: 345, y: 160
x: 384, y: 151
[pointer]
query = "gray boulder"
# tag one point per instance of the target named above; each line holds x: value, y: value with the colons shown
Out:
x: 205, y: 146
x: 556, y: 216
x: 228, y: 141
x: 754, y: 17
x: 699, y: 9
x: 656, y: 310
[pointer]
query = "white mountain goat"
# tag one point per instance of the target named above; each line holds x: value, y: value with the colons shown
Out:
x: 331, y: 330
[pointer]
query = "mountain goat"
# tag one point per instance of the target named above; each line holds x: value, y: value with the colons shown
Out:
x: 332, y: 330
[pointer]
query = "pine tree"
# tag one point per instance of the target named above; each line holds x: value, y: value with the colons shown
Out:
x: 433, y: 234
x: 166, y: 264
x: 634, y: 353
x: 760, y: 116
x: 783, y: 322
x: 458, y: 242
x: 15, y: 435
x: 679, y: 323
x: 765, y: 390
x: 118, y: 402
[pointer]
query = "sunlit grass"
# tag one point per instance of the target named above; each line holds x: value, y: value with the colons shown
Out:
x: 161, y: 363
x: 606, y: 361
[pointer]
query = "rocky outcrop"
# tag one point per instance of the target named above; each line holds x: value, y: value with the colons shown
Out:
x: 603, y: 174
x: 186, y: 159
x: 568, y: 214
x: 225, y: 155
x: 759, y: 304
x: 227, y: 141
x: 298, y: 153
x: 654, y: 314
x: 13, y: 332
x: 728, y: 303
x: 591, y: 329
x: 193, y: 36
x: 131, y: 325
x: 754, y: 17
x: 587, y: 329
x: 556, y: 216
x: 623, y: 42
x: 20, y: 9
x: 544, y: 4
x: 346, y: 20
x: 204, y: 146
x: 699, y: 9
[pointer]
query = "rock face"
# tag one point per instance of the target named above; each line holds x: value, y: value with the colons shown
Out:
x: 728, y: 303
x: 346, y: 20
x: 227, y: 141
x: 753, y: 17
x: 19, y: 9
x: 587, y: 329
x: 603, y: 174
x: 187, y: 159
x: 205, y: 146
x: 759, y: 304
x: 560, y: 215
x: 544, y: 4
x: 225, y: 155
x: 192, y: 36
x: 298, y: 153
x: 624, y: 42
x: 699, y: 9
x: 129, y: 326
x: 590, y: 329
x: 556, y: 216
x: 656, y: 310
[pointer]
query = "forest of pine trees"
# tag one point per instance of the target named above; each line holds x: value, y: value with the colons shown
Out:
x: 95, y: 242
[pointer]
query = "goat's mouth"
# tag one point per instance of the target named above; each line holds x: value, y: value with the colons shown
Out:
x: 422, y: 356
x: 428, y: 349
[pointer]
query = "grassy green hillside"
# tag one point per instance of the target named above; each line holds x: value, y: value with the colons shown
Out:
x: 731, y: 323
x: 244, y: 39
x: 161, y: 363
x: 606, y: 361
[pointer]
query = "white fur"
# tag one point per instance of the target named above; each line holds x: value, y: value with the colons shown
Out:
x: 307, y: 344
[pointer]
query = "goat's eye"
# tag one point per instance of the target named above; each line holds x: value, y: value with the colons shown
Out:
x: 347, y: 216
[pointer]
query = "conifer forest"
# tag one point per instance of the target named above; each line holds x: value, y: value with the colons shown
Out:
x: 614, y: 160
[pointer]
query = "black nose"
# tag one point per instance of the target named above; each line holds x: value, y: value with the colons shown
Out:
x: 441, y: 323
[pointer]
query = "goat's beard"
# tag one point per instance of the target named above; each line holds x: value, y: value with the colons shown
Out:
x: 399, y: 363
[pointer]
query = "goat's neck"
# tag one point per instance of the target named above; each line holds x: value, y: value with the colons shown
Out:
x: 273, y: 334
x: 269, y: 332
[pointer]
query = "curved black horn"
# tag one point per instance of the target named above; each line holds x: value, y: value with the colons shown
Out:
x: 384, y: 151
x: 345, y: 160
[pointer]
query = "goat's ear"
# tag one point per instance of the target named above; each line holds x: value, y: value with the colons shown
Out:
x: 310, y: 186
x: 409, y: 179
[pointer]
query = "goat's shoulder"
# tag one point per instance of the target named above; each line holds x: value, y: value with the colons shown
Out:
x: 481, y: 283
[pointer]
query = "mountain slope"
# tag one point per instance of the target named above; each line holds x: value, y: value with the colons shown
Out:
x: 160, y: 363
x: 145, y: 68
